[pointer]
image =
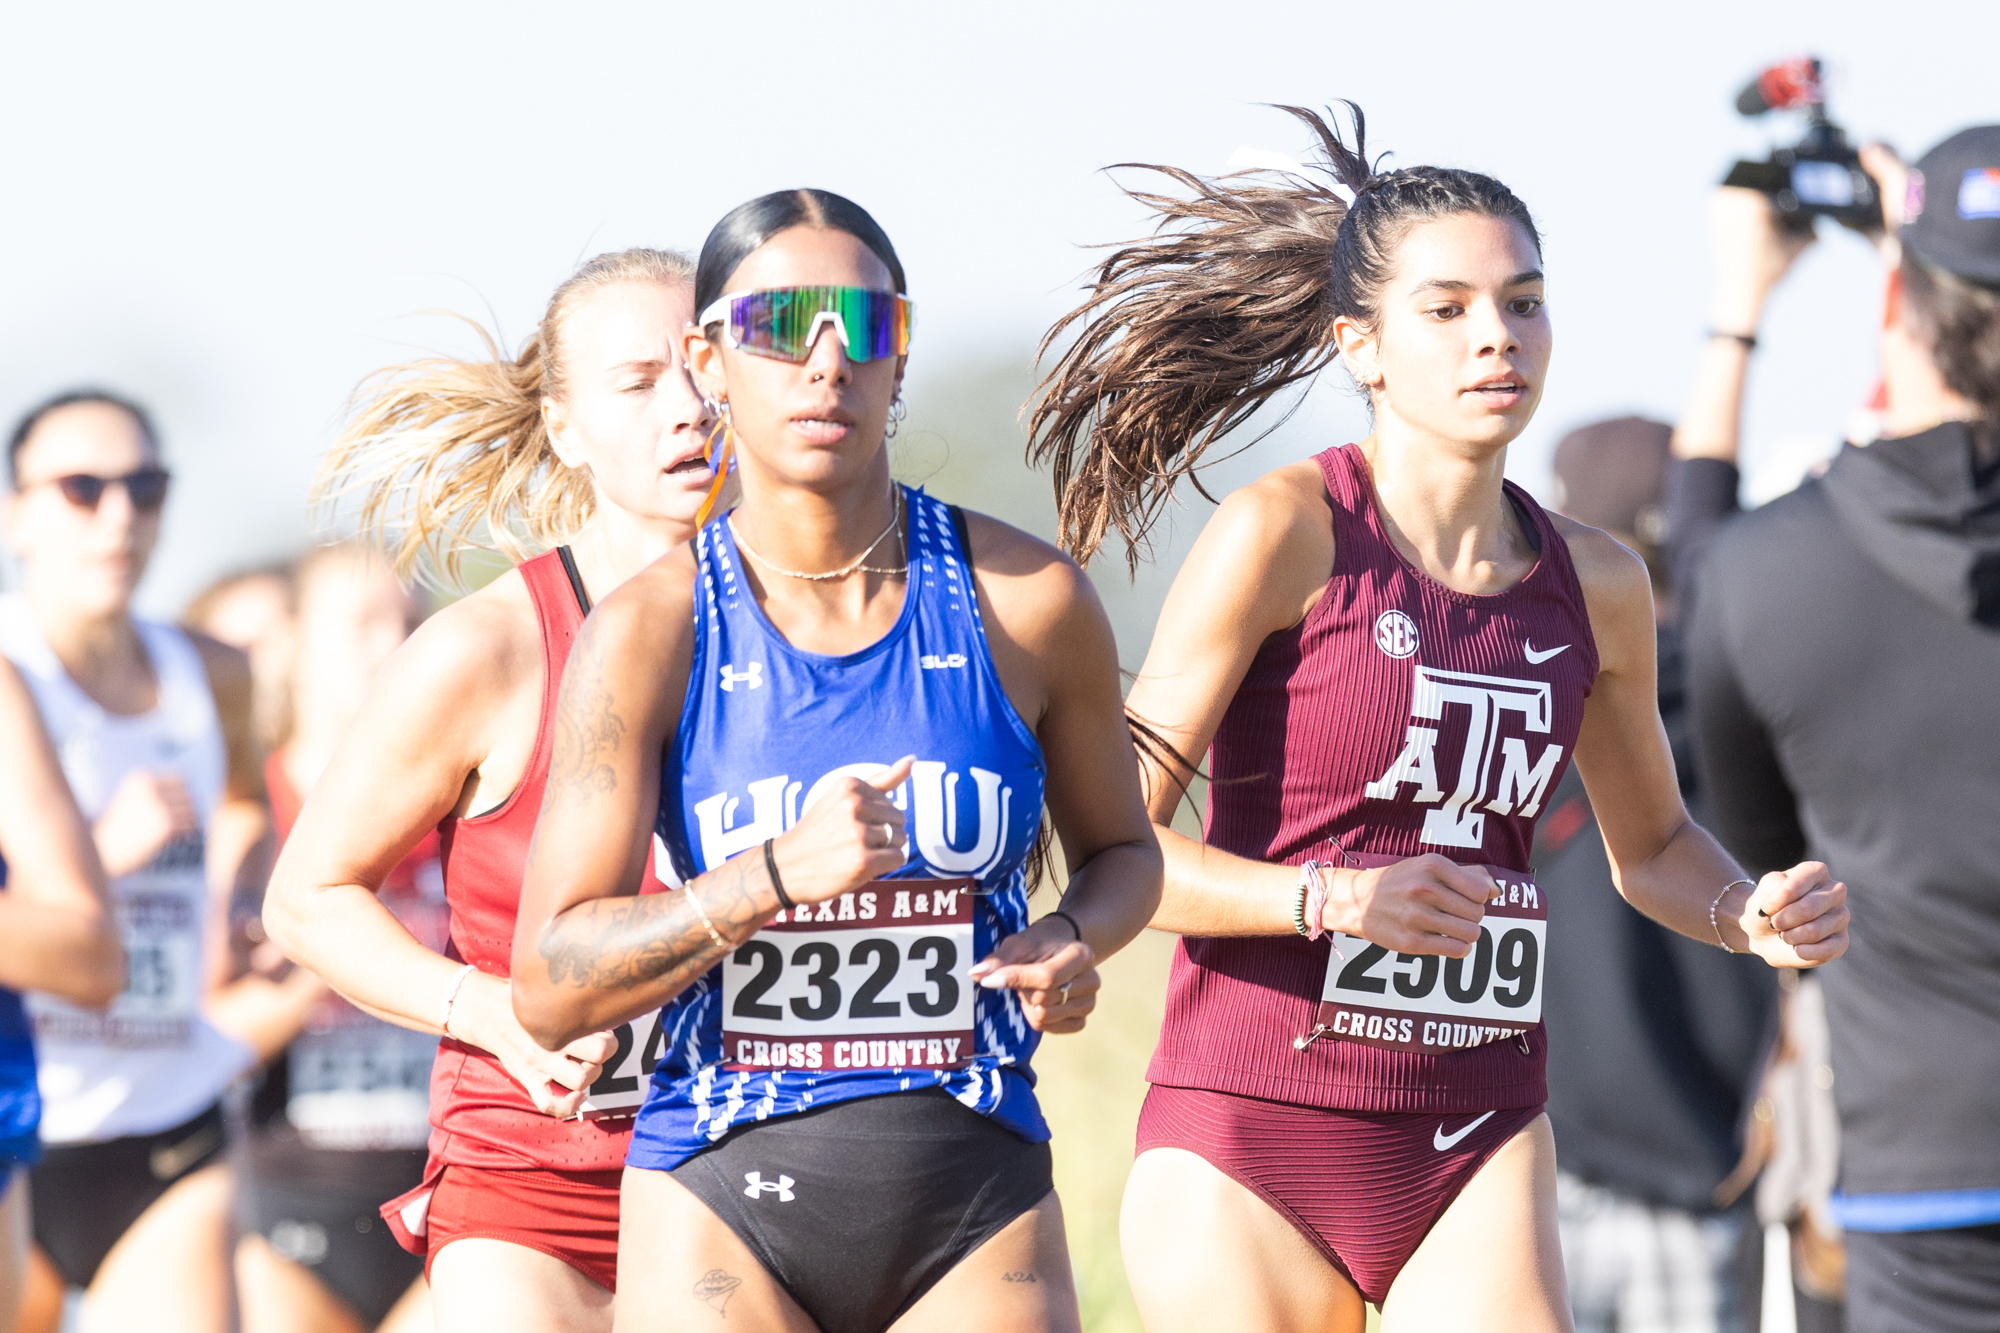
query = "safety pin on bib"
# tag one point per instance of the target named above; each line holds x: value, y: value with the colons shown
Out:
x: 1303, y: 1040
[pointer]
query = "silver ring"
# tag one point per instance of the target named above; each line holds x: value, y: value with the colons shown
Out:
x: 888, y: 832
x: 1063, y: 994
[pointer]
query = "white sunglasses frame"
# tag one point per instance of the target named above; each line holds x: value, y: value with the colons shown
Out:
x: 718, y: 312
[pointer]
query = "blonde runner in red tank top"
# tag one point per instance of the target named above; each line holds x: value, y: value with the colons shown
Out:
x: 479, y: 1115
x: 1399, y: 718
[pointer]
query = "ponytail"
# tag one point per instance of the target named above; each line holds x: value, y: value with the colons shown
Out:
x: 1229, y: 304
x: 444, y: 455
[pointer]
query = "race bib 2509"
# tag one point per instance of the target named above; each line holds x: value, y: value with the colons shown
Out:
x: 878, y: 978
x: 1430, y: 1003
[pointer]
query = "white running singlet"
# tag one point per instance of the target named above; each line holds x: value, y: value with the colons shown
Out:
x: 151, y: 1061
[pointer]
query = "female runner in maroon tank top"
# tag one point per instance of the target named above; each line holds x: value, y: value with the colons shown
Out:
x: 1388, y: 654
x: 593, y: 437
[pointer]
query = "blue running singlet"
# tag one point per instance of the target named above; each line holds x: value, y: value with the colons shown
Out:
x: 20, y: 1097
x: 764, y: 725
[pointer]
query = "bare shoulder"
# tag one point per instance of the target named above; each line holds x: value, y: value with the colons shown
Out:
x: 1279, y: 525
x: 664, y: 588
x: 481, y: 646
x: 1617, y: 594
x: 638, y: 643
x: 1030, y: 585
x: 1612, y: 574
x: 1262, y: 560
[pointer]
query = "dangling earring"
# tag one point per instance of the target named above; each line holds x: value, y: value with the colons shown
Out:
x: 896, y: 414
x: 719, y: 452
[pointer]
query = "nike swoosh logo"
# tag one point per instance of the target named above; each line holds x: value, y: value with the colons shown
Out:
x: 1444, y: 1142
x: 170, y: 1161
x: 1528, y: 647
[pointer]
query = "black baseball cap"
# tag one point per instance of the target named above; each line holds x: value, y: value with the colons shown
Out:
x: 1951, y: 215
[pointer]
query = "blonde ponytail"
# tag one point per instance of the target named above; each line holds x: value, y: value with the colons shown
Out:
x: 443, y: 455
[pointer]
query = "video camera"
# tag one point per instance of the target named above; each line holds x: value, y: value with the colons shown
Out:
x: 1821, y: 175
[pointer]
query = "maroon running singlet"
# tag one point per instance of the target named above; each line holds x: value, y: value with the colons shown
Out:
x: 1399, y: 718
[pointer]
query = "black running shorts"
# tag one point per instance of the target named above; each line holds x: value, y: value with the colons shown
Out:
x: 87, y: 1195
x: 859, y: 1208
x: 1938, y: 1281
x: 322, y: 1210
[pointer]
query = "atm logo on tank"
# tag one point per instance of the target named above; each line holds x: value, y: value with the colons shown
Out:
x: 949, y: 836
x: 1460, y: 821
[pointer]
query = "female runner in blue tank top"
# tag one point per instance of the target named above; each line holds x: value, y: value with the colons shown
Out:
x: 841, y: 1131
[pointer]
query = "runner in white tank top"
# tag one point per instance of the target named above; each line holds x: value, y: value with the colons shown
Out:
x: 151, y: 1060
x: 152, y: 729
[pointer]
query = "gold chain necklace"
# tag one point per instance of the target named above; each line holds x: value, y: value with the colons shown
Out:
x: 852, y: 567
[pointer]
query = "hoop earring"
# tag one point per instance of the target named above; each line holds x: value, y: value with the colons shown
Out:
x: 897, y: 412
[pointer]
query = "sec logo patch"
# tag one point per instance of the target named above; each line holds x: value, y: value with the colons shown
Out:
x: 1396, y: 634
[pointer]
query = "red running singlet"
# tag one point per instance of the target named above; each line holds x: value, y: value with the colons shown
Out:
x: 481, y: 1119
x: 1400, y: 717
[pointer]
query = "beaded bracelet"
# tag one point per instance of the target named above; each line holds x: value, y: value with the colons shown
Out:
x: 1716, y: 925
x: 1316, y: 895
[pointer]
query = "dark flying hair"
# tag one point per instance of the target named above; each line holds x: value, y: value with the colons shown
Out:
x: 1229, y: 303
x: 33, y: 418
x: 747, y: 226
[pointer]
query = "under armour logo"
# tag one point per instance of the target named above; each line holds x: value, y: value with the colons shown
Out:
x: 782, y: 1186
x: 731, y: 677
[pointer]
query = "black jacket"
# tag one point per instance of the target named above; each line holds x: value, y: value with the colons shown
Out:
x: 1844, y: 670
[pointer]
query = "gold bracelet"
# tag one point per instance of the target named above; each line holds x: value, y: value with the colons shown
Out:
x: 695, y: 902
x: 1716, y: 925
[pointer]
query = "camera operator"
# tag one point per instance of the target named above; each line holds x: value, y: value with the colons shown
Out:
x: 1843, y: 649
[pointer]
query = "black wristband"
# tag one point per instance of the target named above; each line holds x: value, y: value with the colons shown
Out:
x: 1748, y: 341
x: 771, y: 864
x: 1072, y: 923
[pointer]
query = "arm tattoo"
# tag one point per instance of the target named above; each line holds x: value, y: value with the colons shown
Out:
x: 588, y: 729
x: 618, y: 943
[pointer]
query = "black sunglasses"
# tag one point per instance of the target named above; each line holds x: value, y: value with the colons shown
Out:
x: 146, y: 488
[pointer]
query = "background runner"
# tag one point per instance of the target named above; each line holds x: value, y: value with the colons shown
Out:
x: 592, y: 437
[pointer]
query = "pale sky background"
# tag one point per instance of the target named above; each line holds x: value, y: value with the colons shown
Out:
x: 230, y: 211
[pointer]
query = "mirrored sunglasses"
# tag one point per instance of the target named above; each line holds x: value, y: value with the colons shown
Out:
x: 783, y: 322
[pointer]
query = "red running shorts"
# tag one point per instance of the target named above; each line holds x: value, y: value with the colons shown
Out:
x: 571, y: 1216
x: 1364, y: 1187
